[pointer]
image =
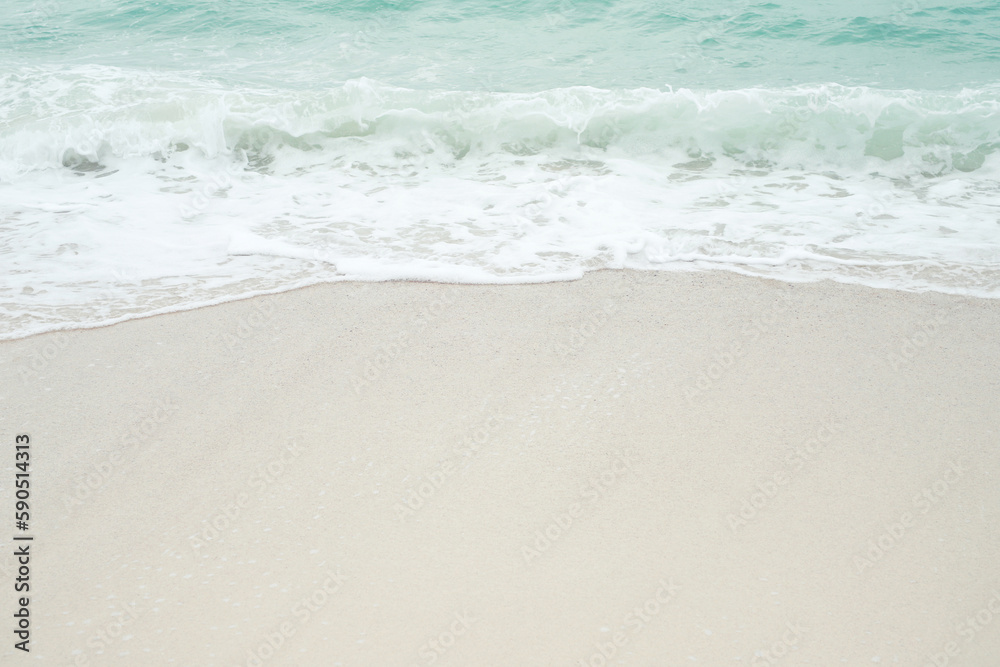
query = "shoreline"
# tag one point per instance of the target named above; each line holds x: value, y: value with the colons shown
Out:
x: 528, y: 280
x: 633, y: 466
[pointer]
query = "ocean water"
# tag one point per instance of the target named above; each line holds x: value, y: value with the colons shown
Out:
x: 156, y: 156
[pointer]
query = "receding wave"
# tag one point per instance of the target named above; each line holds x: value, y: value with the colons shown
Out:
x: 176, y: 191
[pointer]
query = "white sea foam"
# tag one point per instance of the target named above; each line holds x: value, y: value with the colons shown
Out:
x: 124, y: 193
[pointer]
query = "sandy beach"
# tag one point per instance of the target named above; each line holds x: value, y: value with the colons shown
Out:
x: 635, y: 468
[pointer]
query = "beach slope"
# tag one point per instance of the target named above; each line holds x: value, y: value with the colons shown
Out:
x: 635, y: 468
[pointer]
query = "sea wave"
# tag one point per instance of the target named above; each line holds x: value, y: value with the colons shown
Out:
x: 127, y: 192
x: 53, y: 118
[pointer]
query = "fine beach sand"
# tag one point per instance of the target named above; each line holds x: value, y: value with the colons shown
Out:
x: 669, y: 468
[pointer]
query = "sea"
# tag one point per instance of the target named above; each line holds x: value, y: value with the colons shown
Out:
x: 163, y: 155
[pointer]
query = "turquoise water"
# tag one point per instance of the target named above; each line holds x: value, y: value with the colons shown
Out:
x: 157, y: 156
x: 524, y: 46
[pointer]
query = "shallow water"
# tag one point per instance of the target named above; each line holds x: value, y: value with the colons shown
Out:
x: 155, y: 157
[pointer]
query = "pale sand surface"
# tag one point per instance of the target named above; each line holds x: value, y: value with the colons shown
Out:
x: 486, y: 363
